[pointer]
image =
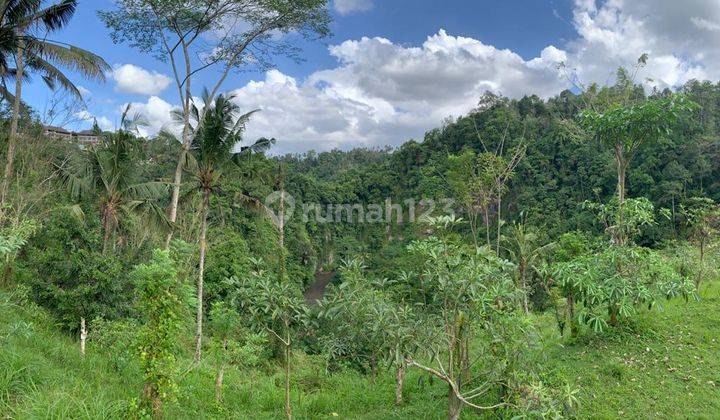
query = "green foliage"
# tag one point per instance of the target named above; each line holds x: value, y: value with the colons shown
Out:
x: 163, y: 303
x: 363, y: 326
x: 68, y: 275
x: 626, y: 222
x: 270, y: 304
x: 630, y: 126
x: 617, y: 281
x: 16, y: 236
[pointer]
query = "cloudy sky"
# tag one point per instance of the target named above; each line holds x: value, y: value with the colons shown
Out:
x: 395, y: 68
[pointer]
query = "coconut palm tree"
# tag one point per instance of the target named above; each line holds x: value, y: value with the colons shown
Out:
x: 109, y: 174
x: 217, y: 132
x: 24, y: 27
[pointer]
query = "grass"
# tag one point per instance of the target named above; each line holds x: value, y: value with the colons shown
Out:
x: 665, y: 364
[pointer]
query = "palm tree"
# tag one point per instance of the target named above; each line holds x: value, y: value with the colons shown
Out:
x: 108, y: 173
x: 24, y: 26
x: 214, y: 145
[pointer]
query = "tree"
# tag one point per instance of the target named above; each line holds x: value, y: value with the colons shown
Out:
x: 525, y: 250
x: 368, y: 326
x: 471, y: 290
x: 616, y: 281
x: 24, y: 28
x: 162, y: 301
x: 213, y: 146
x: 241, y: 33
x: 472, y: 180
x: 109, y: 174
x: 225, y: 321
x: 702, y: 216
x: 628, y: 124
x: 479, y: 181
x: 276, y: 307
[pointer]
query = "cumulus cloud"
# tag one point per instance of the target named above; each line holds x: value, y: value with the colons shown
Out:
x: 157, y: 113
x: 345, y: 7
x: 381, y: 92
x: 681, y: 39
x: 104, y: 123
x: 130, y: 78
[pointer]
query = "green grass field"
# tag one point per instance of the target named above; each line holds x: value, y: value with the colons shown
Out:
x: 666, y: 364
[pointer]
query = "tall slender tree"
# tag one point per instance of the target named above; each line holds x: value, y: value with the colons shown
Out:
x: 24, y: 29
x: 214, y: 145
x: 240, y: 33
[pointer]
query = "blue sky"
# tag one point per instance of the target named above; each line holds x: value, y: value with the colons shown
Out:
x: 395, y: 68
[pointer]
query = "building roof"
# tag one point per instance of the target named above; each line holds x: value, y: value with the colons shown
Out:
x: 57, y: 129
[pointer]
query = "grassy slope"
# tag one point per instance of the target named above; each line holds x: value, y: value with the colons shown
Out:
x: 670, y: 366
x: 667, y: 365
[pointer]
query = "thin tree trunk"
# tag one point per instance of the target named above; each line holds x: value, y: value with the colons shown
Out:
x: 177, y: 179
x: 465, y: 361
x: 220, y: 375
x: 523, y: 284
x: 487, y: 224
x: 454, y: 404
x: 399, y: 379
x: 150, y: 394
x: 621, y: 171
x: 571, y: 315
x: 12, y: 139
x: 201, y: 272
x: 473, y: 226
x: 83, y: 336
x: 281, y: 229
x: 499, y: 224
x: 106, y: 230
x: 288, y: 408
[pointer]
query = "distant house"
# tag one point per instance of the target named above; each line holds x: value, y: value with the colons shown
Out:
x: 83, y: 138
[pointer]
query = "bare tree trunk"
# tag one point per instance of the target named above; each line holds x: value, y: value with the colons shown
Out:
x: 571, y: 315
x: 281, y: 229
x: 177, y: 179
x: 454, y: 404
x: 150, y: 394
x: 12, y: 140
x: 499, y: 224
x: 220, y: 375
x: 201, y: 272
x: 523, y: 284
x: 621, y: 173
x: 399, y: 379
x: 83, y: 336
x: 613, y: 317
x: 288, y: 409
x: 487, y: 224
x: 106, y: 230
x: 473, y: 226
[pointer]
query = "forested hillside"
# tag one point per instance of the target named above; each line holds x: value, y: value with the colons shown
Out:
x: 553, y: 257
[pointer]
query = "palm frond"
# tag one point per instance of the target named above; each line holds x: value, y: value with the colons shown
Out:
x: 56, y: 16
x: 67, y: 56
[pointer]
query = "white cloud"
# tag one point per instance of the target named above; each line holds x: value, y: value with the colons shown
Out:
x: 133, y: 79
x: 103, y: 122
x: 705, y: 24
x: 381, y: 92
x: 157, y: 114
x: 680, y: 38
x: 84, y: 92
x: 345, y: 7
